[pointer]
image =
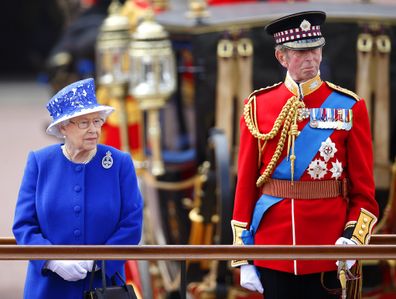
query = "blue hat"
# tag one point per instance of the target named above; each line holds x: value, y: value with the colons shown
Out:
x: 74, y: 100
x: 298, y: 31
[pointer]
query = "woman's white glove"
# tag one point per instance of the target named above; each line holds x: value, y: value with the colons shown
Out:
x: 87, y: 265
x: 69, y: 270
x: 346, y: 241
x: 250, y: 280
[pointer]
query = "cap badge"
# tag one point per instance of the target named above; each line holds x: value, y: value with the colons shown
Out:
x: 305, y: 26
x: 107, y: 160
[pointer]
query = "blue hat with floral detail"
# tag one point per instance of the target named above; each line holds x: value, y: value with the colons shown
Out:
x: 74, y: 100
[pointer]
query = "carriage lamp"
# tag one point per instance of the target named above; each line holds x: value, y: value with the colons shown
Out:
x: 112, y: 59
x: 152, y: 79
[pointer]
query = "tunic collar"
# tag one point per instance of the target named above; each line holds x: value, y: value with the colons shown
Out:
x: 305, y: 88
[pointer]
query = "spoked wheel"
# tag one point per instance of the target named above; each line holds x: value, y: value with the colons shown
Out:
x: 220, y: 161
x: 221, y: 199
x: 165, y: 275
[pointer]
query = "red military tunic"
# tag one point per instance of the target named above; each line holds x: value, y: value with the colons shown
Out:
x: 318, y: 221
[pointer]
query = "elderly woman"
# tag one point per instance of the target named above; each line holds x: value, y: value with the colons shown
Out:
x: 76, y: 193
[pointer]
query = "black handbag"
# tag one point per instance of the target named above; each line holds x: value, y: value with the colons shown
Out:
x: 114, y: 291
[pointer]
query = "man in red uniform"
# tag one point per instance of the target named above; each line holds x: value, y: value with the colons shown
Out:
x: 305, y: 167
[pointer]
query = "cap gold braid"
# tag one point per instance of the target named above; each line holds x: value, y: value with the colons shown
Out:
x: 287, y: 116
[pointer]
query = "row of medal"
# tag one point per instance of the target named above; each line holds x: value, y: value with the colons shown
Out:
x: 328, y: 118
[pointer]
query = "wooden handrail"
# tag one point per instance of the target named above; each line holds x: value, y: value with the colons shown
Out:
x: 197, y: 252
x: 378, y: 249
x: 7, y: 241
x: 182, y: 253
x: 377, y: 239
x: 382, y: 239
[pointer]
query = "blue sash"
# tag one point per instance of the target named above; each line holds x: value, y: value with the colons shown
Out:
x: 304, y: 153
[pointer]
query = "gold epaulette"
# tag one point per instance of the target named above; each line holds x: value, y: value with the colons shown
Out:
x: 343, y: 90
x: 249, y: 112
x: 264, y: 88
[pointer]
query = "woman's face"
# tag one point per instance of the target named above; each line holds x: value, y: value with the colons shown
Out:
x: 302, y: 65
x: 83, y: 132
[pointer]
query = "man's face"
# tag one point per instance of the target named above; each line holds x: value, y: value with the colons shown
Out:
x: 302, y: 64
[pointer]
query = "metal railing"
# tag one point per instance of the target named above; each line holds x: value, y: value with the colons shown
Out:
x: 382, y: 247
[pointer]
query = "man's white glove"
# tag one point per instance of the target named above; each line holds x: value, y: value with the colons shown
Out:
x: 345, y: 241
x: 68, y: 270
x: 250, y: 280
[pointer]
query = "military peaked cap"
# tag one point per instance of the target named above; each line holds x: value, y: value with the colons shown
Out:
x: 298, y: 31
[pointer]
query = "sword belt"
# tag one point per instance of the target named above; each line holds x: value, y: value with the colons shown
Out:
x: 306, y: 189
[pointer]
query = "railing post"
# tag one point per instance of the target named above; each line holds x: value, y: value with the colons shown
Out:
x: 183, y: 280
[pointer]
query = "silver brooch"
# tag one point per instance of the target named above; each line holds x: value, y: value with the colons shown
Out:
x: 107, y: 160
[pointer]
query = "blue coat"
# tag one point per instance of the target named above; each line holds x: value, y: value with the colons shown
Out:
x: 63, y: 203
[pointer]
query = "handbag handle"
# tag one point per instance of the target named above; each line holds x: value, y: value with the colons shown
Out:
x: 113, y: 279
x: 93, y: 275
x: 103, y: 275
x: 91, y: 279
x: 104, y: 279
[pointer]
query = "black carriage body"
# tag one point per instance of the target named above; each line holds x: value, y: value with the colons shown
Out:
x: 343, y: 25
x: 200, y: 37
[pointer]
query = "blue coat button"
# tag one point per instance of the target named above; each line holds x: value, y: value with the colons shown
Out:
x: 77, y: 188
x: 78, y: 168
x: 77, y: 232
x: 77, y: 209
